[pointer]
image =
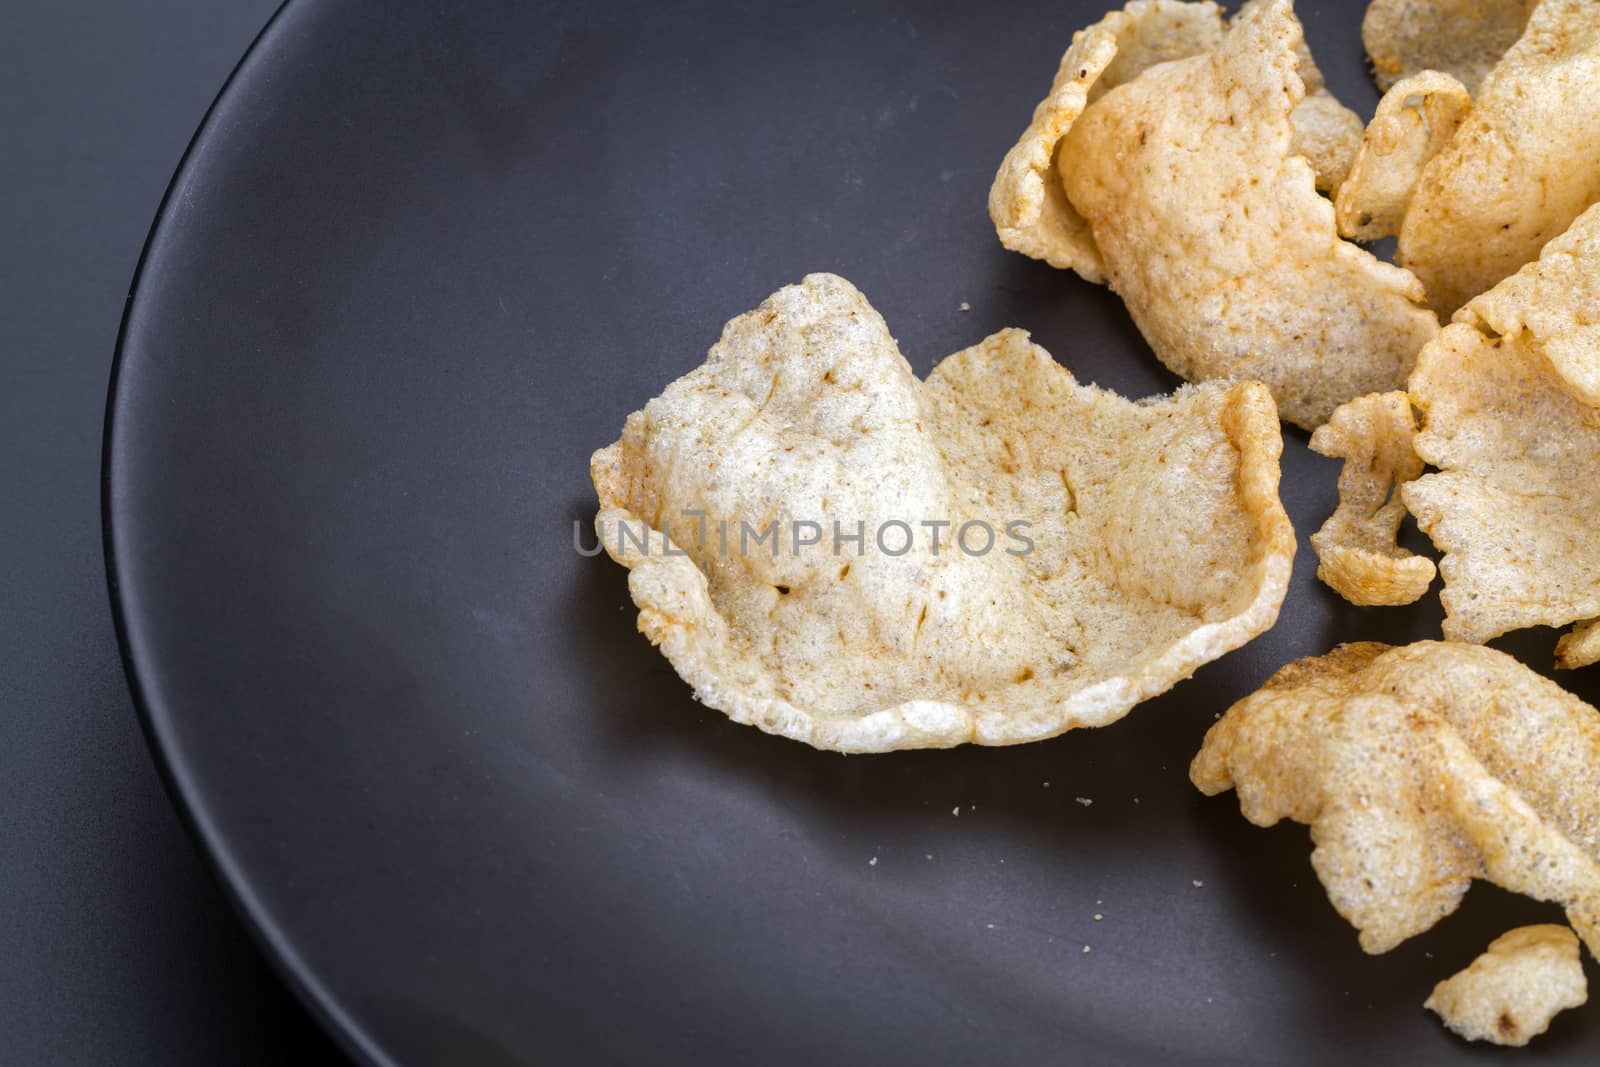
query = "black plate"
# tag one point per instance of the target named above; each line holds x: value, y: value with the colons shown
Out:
x: 423, y: 258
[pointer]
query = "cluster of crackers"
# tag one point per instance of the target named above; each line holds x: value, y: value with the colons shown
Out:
x: 1200, y: 167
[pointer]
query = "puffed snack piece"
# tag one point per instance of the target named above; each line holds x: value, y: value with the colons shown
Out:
x: 779, y: 509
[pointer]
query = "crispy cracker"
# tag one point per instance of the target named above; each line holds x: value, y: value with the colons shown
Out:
x: 1503, y: 394
x: 1509, y: 995
x: 1159, y: 541
x: 1415, y: 121
x: 1418, y: 770
x: 1461, y: 38
x: 1580, y: 646
x: 1554, y: 305
x: 1357, y: 551
x: 1524, y: 163
x: 1507, y: 396
x: 1027, y: 204
x: 1205, y: 218
x: 1328, y: 135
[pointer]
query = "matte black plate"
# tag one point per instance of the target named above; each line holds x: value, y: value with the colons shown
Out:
x: 423, y: 258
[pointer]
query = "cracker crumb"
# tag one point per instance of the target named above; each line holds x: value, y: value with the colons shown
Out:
x: 873, y: 862
x: 965, y: 306
x: 1085, y: 801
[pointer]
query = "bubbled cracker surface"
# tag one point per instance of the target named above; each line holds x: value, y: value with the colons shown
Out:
x: 1509, y: 995
x: 1210, y: 227
x: 1461, y: 38
x: 1512, y: 505
x: 1419, y: 769
x: 806, y: 409
x: 1508, y: 419
x: 1029, y: 208
x: 1027, y: 201
x: 1357, y: 547
x: 1523, y: 165
x: 1328, y: 135
x: 1553, y: 305
x: 1415, y: 121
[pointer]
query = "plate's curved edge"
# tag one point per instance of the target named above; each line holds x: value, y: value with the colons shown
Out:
x: 285, y: 961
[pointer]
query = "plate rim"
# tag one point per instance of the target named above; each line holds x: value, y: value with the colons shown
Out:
x: 291, y: 969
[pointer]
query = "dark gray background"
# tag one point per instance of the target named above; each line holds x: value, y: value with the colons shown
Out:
x: 115, y: 944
